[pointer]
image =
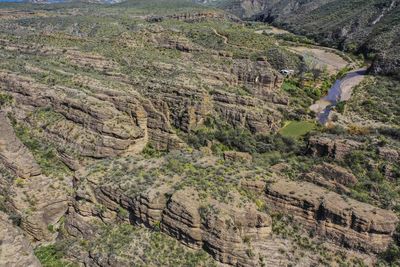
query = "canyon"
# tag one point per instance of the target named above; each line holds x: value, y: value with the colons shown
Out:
x: 150, y: 133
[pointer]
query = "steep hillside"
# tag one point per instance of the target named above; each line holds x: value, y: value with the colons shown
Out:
x: 166, y: 133
x: 368, y: 27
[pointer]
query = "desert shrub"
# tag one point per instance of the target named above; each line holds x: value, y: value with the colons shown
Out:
x: 340, y: 106
x: 229, y: 137
x: 357, y: 130
x: 391, y: 132
x: 5, y: 100
x: 52, y: 256
x: 15, y: 218
x: 391, y: 256
x: 150, y: 151
x: 335, y: 129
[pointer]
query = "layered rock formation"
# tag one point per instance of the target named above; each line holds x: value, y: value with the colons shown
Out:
x: 38, y: 200
x: 349, y: 222
x: 13, y: 154
x: 85, y: 122
x: 221, y: 229
x: 331, y: 176
x: 15, y: 249
x: 332, y: 146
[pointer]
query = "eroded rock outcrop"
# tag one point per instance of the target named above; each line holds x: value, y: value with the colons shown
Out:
x: 13, y: 154
x: 38, y: 200
x: 337, y: 148
x: 258, y: 76
x: 220, y: 228
x: 349, y: 222
x: 97, y: 123
x: 15, y: 249
x: 331, y: 176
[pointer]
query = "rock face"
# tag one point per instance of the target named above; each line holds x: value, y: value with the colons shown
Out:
x: 344, y: 220
x: 259, y: 76
x: 13, y: 154
x: 238, y: 156
x: 219, y: 228
x: 15, y: 249
x: 337, y: 148
x: 331, y: 176
x: 38, y: 200
x: 187, y: 105
x: 89, y: 123
x: 220, y: 231
x: 336, y: 173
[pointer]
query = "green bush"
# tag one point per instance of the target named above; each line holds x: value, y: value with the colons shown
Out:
x: 52, y: 256
x: 5, y: 100
x: 391, y: 256
x: 340, y: 107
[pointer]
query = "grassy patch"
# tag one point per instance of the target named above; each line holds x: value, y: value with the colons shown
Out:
x: 5, y: 99
x: 296, y: 129
x: 135, y: 246
x: 52, y: 256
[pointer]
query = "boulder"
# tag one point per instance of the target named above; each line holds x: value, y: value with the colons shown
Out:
x: 334, y: 147
x: 237, y: 156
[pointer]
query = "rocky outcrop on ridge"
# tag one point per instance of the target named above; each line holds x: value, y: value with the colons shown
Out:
x: 349, y: 222
x: 331, y: 176
x: 332, y: 146
x: 13, y: 154
x: 224, y: 229
x: 216, y: 227
x: 37, y: 200
x: 15, y: 249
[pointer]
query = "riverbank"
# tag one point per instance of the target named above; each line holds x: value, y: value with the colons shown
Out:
x: 340, y: 91
x: 331, y: 60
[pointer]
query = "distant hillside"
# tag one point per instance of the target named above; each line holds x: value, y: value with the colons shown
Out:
x: 370, y: 27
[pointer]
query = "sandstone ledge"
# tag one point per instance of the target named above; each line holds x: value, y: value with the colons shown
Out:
x: 219, y: 228
x: 346, y: 221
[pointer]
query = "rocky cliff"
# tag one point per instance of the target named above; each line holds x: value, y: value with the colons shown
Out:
x: 15, y: 250
x: 344, y: 220
x: 146, y: 133
x: 196, y: 220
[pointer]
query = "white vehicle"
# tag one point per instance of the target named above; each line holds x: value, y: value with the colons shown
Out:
x: 287, y: 72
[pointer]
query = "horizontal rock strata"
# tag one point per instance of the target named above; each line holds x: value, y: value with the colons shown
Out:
x: 337, y: 148
x: 15, y: 249
x: 216, y: 227
x: 14, y: 154
x: 349, y: 222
